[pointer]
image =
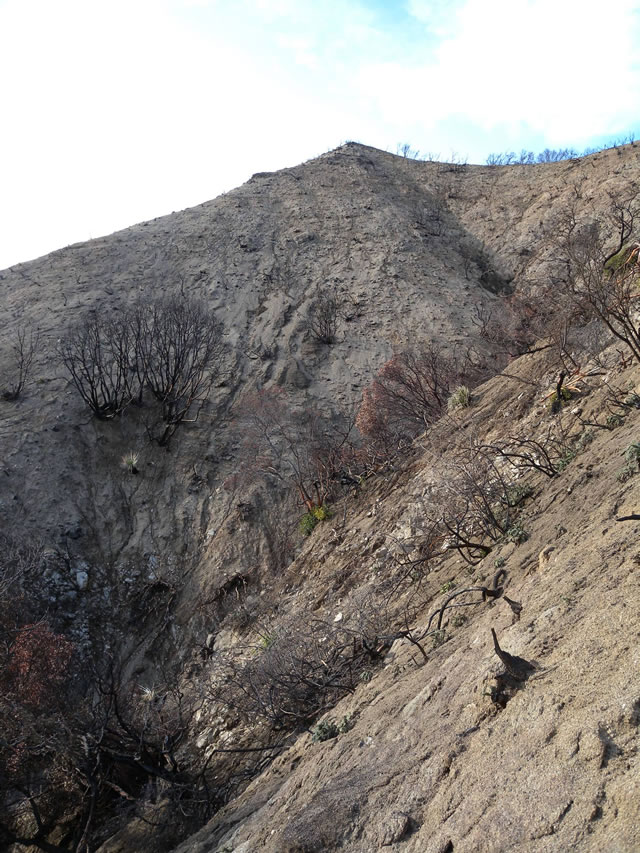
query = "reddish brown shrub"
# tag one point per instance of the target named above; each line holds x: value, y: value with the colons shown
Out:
x: 38, y: 664
x: 409, y: 393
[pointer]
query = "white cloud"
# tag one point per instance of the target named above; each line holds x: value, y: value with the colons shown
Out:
x: 548, y: 65
x: 123, y: 110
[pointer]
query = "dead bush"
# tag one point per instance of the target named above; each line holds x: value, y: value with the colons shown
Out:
x: 290, y: 675
x: 99, y: 355
x: 179, y: 348
x: 409, y: 393
x: 25, y: 345
x: 322, y: 321
x: 593, y: 270
x: 478, y: 499
x: 172, y: 346
x: 298, y: 446
x: 546, y: 454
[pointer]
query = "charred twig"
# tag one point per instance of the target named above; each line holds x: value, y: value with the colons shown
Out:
x: 517, y: 667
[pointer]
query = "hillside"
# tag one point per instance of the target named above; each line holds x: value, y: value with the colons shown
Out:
x: 183, y: 578
x: 433, y: 762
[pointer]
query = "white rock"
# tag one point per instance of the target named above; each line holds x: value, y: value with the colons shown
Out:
x: 338, y: 617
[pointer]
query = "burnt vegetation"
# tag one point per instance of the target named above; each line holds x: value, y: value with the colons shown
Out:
x: 85, y: 747
x: 172, y: 347
x: 24, y: 348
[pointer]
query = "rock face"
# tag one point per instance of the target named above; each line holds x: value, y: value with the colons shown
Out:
x: 412, y: 251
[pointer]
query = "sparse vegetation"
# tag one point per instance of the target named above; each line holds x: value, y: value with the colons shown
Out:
x: 297, y: 446
x: 236, y: 652
x: 25, y: 345
x: 595, y: 268
x: 516, y: 534
x: 172, y: 346
x: 557, y: 400
x: 459, y: 399
x: 130, y: 462
x: 322, y: 321
x: 310, y: 519
x: 409, y: 393
x: 329, y: 729
x: 632, y: 455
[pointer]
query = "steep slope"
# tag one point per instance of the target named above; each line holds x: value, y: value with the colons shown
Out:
x: 436, y: 761
x: 381, y: 232
x: 410, y: 249
x: 353, y: 223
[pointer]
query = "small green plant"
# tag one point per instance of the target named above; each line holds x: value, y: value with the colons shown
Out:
x: 447, y: 587
x: 614, y: 421
x: 555, y: 403
x: 346, y: 724
x: 632, y: 455
x: 459, y: 399
x: 459, y: 620
x: 310, y: 519
x: 130, y: 462
x: 328, y: 729
x: 365, y: 676
x: 267, y: 640
x: 620, y: 259
x: 586, y: 437
x: 499, y: 562
x: 625, y: 474
x: 568, y: 457
x: 632, y: 400
x: 516, y: 534
x: 518, y: 493
x: 325, y: 730
x: 438, y: 638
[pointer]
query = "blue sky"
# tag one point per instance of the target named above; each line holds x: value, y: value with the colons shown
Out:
x: 119, y: 111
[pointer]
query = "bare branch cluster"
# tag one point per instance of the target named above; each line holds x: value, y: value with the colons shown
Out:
x: 298, y: 446
x: 322, y: 321
x: 480, y: 502
x: 545, y: 453
x: 172, y: 346
x: 99, y: 355
x: 24, y: 348
x: 595, y: 270
x: 294, y: 674
x: 549, y: 155
x: 180, y: 348
x: 84, y: 752
x: 409, y: 393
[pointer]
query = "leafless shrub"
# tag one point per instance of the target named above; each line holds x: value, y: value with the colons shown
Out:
x: 180, y: 348
x: 549, y: 155
x: 595, y: 269
x: 478, y: 501
x: 322, y: 321
x: 300, y: 447
x: 83, y: 751
x: 291, y: 675
x: 173, y: 346
x: 404, y: 149
x: 24, y: 348
x: 524, y: 454
x: 16, y: 562
x: 99, y: 355
x: 409, y: 393
x: 510, y: 327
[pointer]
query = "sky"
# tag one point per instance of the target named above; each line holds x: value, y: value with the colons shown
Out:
x: 116, y: 112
